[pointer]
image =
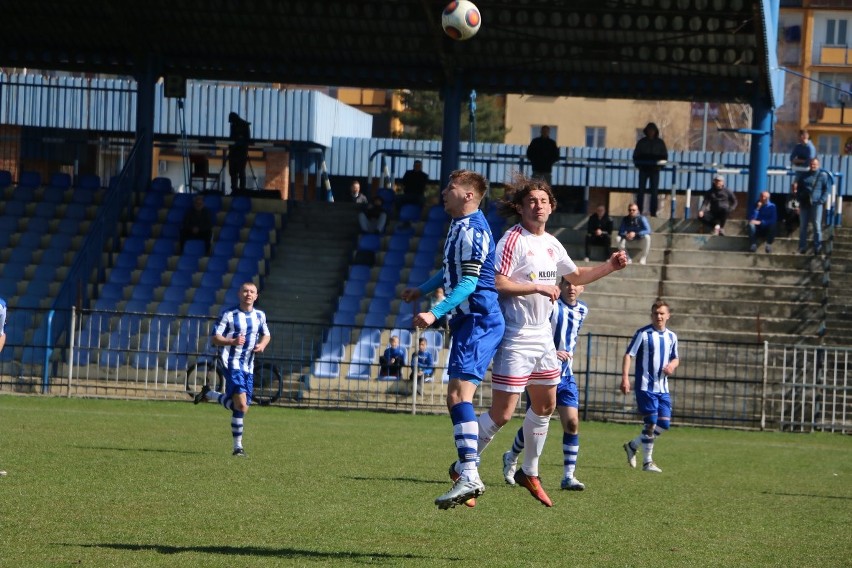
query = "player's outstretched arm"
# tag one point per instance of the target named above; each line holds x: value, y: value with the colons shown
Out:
x: 625, y: 373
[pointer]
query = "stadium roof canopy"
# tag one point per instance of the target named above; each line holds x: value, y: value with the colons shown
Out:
x: 707, y: 50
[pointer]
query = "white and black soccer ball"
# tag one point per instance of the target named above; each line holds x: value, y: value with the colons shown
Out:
x: 461, y: 20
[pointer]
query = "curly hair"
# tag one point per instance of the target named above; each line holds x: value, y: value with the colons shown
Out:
x: 518, y: 189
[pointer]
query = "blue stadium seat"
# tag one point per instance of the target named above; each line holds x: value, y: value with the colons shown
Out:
x: 389, y: 274
x: 153, y: 200
x: 126, y: 259
x: 60, y: 181
x: 385, y: 289
x: 342, y: 318
x: 181, y: 278
x: 337, y: 335
x: 150, y: 278
x: 399, y: 242
x: 38, y: 225
x: 168, y: 307
x: 434, y: 229
x: 223, y: 249
x: 371, y: 337
x: 254, y: 250
x: 258, y: 235
x: 409, y: 213
x: 394, y: 258
x: 247, y: 265
x: 234, y: 219
x: 14, y: 271
x: 135, y: 245
x: 141, y: 230
x: 121, y: 276
x: 136, y: 305
x: 76, y: 211
x: 326, y: 369
x: 83, y: 196
x: 112, y: 291
x: 200, y: 309
x: 228, y: 233
x: 53, y: 256
x: 359, y: 272
x: 434, y: 338
x: 29, y: 179
x: 46, y: 209
x: 211, y: 280
x: 24, y: 194
x: 195, y: 247
x: 265, y: 220
x: 5, y: 179
x: 371, y: 242
x: 175, y: 294
x: 437, y: 213
x: 240, y: 203
x: 388, y: 197
x: 348, y: 303
x: 15, y: 209
x: 158, y: 262
x: 148, y: 214
x: 217, y: 265
x: 213, y: 202
x: 181, y: 201
x: 170, y: 230
x: 188, y: 262
x: 161, y: 184
x: 364, y: 352
x: 30, y: 240
x: 375, y: 319
x: 174, y: 216
x: 419, y: 275
x: 360, y: 371
x: 205, y: 295
x: 21, y: 256
x: 356, y: 288
x: 404, y: 335
x: 142, y: 293
x: 404, y: 320
x: 89, y: 181
x: 45, y: 272
x: 164, y: 246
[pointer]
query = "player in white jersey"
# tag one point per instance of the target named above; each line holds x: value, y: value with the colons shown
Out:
x: 566, y: 319
x: 240, y: 334
x: 529, y: 263
x: 2, y: 341
x: 655, y: 349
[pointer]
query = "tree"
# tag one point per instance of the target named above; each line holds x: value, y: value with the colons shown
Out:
x: 422, y: 117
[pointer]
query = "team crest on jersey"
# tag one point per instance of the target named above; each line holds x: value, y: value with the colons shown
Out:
x: 532, y: 275
x: 550, y: 252
x: 530, y: 253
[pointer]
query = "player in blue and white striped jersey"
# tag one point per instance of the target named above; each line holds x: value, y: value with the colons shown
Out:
x: 566, y: 319
x: 476, y: 323
x: 240, y: 334
x: 655, y: 350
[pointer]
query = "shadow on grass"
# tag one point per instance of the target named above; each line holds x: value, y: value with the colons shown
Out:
x: 806, y: 495
x: 258, y: 551
x: 408, y: 479
x: 115, y: 449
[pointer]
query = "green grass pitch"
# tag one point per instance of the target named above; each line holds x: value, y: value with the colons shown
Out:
x: 126, y: 483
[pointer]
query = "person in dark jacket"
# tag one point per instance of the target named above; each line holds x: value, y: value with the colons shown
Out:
x: 598, y: 230
x: 762, y: 223
x: 542, y: 154
x: 650, y: 151
x: 719, y: 203
x: 197, y: 224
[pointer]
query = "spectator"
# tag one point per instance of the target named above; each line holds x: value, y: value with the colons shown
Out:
x: 542, y: 154
x: 812, y: 189
x: 719, y: 202
x: 791, y: 214
x: 425, y: 364
x: 393, y: 360
x: 414, y: 185
x: 436, y: 298
x: 803, y: 152
x: 238, y: 151
x: 762, y: 223
x: 634, y: 227
x: 358, y: 198
x: 373, y: 217
x: 649, y: 157
x: 197, y: 224
x: 598, y: 231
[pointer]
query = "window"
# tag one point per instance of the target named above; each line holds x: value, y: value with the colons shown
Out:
x: 835, y: 32
x: 595, y: 136
x: 832, y: 97
x: 828, y: 145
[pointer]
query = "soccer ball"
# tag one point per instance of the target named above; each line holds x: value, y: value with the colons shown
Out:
x: 461, y: 20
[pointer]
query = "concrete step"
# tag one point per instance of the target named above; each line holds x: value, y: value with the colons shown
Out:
x: 769, y: 277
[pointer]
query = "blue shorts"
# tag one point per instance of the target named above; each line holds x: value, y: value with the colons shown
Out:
x: 654, y: 403
x: 567, y: 393
x: 475, y: 340
x: 237, y: 382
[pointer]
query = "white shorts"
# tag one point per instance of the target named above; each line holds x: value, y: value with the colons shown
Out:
x: 525, y: 357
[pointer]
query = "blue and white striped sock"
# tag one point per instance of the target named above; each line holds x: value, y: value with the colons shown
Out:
x: 465, y: 432
x: 570, y: 449
x: 237, y: 428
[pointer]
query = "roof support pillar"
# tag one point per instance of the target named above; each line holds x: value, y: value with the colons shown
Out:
x: 761, y: 137
x: 146, y: 88
x: 451, y: 141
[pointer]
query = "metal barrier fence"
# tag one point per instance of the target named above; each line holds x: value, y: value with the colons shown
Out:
x: 163, y: 357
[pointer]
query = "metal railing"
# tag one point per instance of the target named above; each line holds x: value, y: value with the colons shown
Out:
x: 163, y: 357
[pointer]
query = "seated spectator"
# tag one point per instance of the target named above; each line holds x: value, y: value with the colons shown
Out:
x: 762, y: 223
x: 436, y: 298
x: 425, y: 365
x: 635, y: 229
x: 413, y: 185
x: 598, y: 231
x: 393, y: 360
x: 358, y: 198
x: 791, y: 215
x: 373, y: 218
x: 719, y: 202
x: 197, y: 224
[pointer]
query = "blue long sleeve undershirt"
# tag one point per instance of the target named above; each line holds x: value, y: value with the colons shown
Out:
x: 459, y: 294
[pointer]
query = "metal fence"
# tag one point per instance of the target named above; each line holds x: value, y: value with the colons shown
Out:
x: 164, y: 357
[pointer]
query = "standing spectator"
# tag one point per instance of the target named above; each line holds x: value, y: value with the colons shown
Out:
x: 238, y: 151
x: 812, y: 189
x: 803, y: 152
x: 531, y: 262
x: 762, y: 223
x: 635, y: 227
x: 649, y: 157
x: 373, y: 217
x: 476, y: 323
x: 240, y: 334
x: 197, y: 224
x: 425, y: 364
x: 542, y: 154
x: 719, y: 202
x: 655, y: 349
x: 566, y: 319
x: 2, y: 342
x: 392, y: 360
x: 358, y: 198
x: 598, y: 231
x: 414, y: 185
